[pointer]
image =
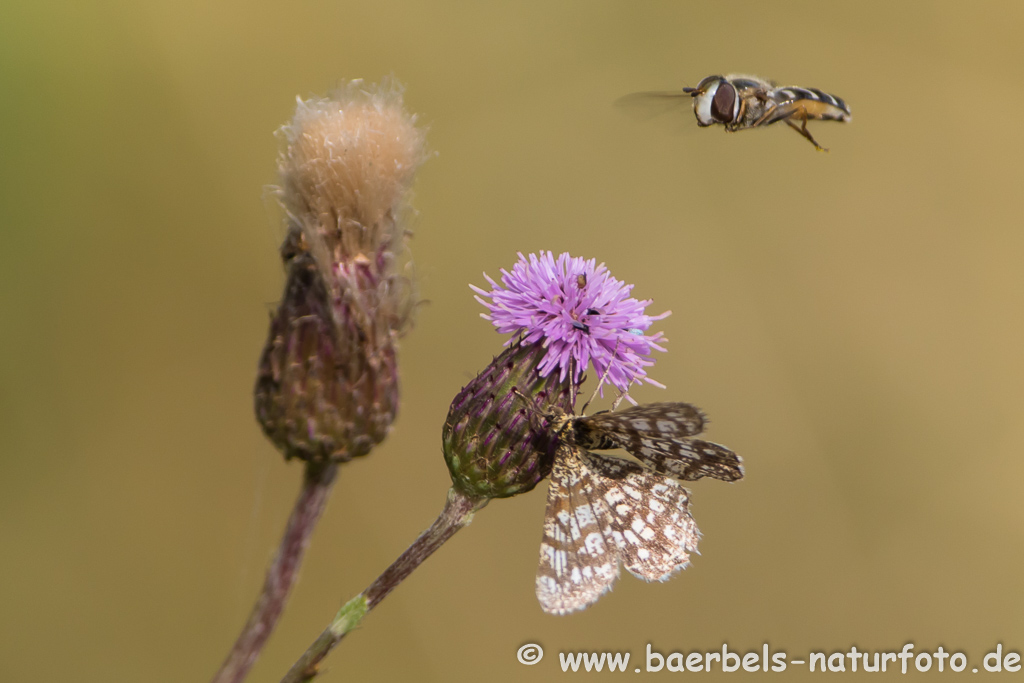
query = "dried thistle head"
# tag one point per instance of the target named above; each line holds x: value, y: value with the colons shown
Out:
x: 346, y: 169
x: 327, y: 385
x: 564, y: 314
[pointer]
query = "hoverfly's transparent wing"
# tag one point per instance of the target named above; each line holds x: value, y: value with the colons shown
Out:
x: 658, y: 435
x: 578, y: 561
x: 648, y: 517
x: 671, y: 109
x: 654, y: 103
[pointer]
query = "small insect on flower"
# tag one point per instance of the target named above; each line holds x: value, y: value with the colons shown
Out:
x: 741, y: 102
x: 603, y: 511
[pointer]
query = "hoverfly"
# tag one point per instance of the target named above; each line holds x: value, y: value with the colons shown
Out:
x: 740, y: 102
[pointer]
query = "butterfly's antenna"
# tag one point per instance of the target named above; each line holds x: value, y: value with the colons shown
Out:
x: 526, y: 399
x: 553, y: 412
x: 622, y: 395
x: 573, y: 388
x: 531, y: 407
x: 600, y: 383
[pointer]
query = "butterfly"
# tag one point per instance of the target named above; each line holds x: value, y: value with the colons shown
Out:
x: 604, y: 512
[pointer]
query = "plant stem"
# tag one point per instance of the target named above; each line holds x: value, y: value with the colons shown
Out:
x: 316, y: 487
x: 458, y: 512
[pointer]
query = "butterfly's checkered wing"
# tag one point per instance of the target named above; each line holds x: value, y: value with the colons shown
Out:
x: 648, y: 517
x: 659, y: 436
x: 578, y: 562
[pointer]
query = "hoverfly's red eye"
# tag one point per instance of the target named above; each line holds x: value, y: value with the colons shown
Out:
x: 723, y: 102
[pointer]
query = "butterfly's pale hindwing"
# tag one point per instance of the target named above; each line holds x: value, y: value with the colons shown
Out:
x: 578, y: 562
x: 659, y: 435
x: 648, y: 517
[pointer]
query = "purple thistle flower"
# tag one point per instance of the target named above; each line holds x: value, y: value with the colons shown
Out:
x: 577, y: 311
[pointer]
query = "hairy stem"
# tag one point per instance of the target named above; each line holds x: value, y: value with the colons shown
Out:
x: 458, y: 512
x: 316, y: 487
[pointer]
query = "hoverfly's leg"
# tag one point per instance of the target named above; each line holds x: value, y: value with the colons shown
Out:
x: 764, y: 116
x: 802, y: 128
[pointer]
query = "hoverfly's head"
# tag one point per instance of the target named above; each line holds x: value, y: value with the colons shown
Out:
x: 714, y: 101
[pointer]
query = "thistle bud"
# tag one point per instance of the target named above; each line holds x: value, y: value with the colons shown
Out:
x: 564, y: 315
x: 495, y: 440
x: 327, y: 384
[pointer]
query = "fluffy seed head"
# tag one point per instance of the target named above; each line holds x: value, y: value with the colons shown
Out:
x: 327, y: 386
x: 348, y: 162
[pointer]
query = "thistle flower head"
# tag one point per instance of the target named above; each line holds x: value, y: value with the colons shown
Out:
x: 565, y: 314
x: 579, y: 313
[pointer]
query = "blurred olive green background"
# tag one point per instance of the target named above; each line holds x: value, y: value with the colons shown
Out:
x: 851, y: 321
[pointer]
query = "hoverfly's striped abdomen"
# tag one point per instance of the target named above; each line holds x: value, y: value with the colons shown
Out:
x: 817, y: 104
